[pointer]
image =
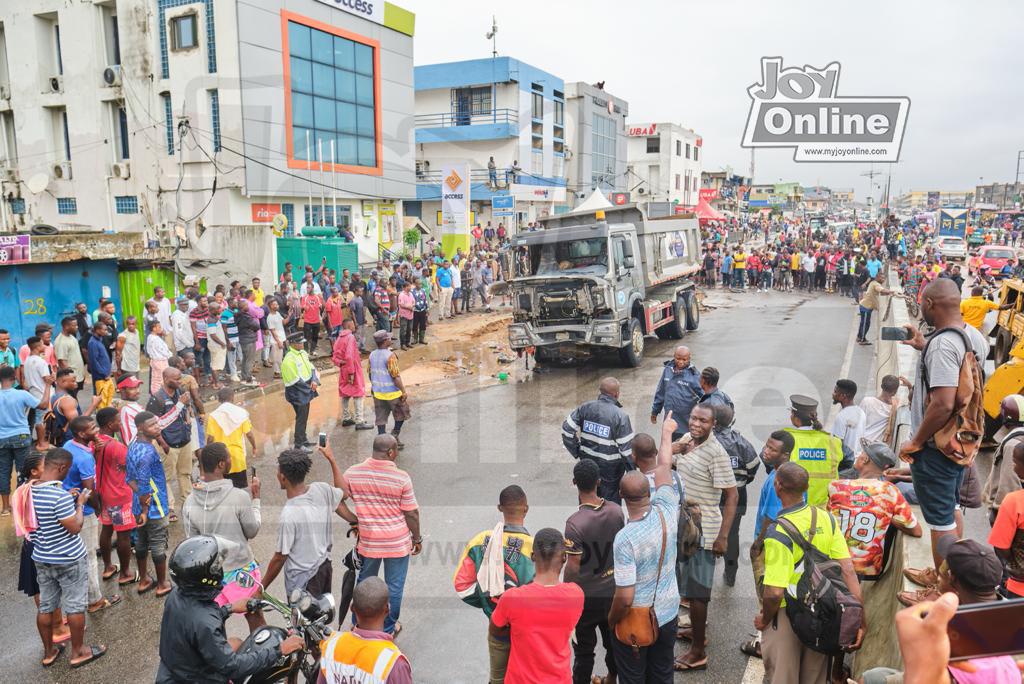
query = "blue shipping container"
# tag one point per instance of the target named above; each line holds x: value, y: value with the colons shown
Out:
x: 38, y: 293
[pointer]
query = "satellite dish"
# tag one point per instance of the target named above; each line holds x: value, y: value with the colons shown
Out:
x: 279, y: 224
x: 37, y: 183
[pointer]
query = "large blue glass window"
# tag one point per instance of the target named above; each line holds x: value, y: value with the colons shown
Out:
x: 332, y: 92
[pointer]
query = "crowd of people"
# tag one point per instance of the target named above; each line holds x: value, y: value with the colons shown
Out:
x: 633, y: 566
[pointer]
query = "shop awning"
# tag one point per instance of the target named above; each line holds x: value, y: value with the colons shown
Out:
x: 706, y: 212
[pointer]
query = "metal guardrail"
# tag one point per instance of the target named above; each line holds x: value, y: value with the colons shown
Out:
x: 503, y: 177
x: 462, y: 118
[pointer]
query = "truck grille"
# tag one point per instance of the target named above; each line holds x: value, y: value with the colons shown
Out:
x: 559, y: 306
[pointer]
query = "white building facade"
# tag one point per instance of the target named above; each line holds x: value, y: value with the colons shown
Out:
x: 170, y: 117
x: 665, y: 161
x: 471, y: 111
x: 596, y: 142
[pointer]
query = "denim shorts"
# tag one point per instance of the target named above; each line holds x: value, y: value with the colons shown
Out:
x: 65, y: 586
x: 152, y: 538
x: 937, y: 484
x: 697, y: 575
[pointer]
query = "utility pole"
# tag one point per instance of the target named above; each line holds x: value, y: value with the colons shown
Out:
x: 492, y: 35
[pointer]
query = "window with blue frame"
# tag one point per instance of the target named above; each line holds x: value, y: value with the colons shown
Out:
x: 332, y: 90
x: 67, y: 205
x: 289, y: 213
x: 126, y: 204
x: 215, y: 118
x: 168, y: 122
x: 18, y: 205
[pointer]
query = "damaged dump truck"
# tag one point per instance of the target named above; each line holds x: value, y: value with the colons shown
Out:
x: 599, y: 282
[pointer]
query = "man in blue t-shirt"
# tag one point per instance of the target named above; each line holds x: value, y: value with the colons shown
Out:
x: 61, y: 559
x: 873, y: 265
x: 145, y: 476
x: 444, y: 283
x: 82, y: 475
x: 14, y: 434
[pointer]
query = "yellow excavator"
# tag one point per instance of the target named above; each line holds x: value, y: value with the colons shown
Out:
x: 1007, y: 352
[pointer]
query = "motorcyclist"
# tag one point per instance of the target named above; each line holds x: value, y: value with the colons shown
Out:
x: 193, y: 645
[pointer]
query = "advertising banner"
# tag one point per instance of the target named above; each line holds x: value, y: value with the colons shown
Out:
x: 953, y: 222
x: 503, y: 205
x: 15, y: 249
x: 265, y: 213
x: 455, y: 207
x: 708, y: 194
x: 933, y: 200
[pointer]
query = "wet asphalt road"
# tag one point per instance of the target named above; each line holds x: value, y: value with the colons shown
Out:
x: 463, y: 449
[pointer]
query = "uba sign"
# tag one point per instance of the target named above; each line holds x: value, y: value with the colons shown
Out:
x: 644, y: 130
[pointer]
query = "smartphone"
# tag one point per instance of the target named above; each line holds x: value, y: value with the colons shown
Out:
x: 983, y: 630
x: 895, y: 333
x: 252, y: 471
x: 323, y: 439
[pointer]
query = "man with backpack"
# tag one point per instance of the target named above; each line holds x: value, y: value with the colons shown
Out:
x: 797, y: 644
x: 946, y: 417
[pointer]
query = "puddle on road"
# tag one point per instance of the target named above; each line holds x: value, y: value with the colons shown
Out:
x: 460, y: 356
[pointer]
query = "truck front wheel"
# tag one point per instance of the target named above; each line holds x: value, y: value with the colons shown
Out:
x: 631, y: 354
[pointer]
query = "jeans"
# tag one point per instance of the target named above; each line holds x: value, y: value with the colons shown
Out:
x: 419, y: 326
x: 739, y: 278
x: 404, y: 331
x: 498, y: 651
x: 90, y: 534
x: 593, y: 621
x: 203, y: 356
x: 865, y: 324
x: 234, y: 357
x: 653, y: 664
x: 301, y: 416
x: 13, y: 452
x: 395, y: 570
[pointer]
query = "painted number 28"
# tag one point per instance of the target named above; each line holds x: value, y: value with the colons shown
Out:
x: 34, y: 307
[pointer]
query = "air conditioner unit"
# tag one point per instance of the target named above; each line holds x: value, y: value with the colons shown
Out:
x: 9, y: 174
x: 112, y: 76
x: 56, y: 84
x: 62, y: 171
x: 121, y: 170
x: 5, y: 92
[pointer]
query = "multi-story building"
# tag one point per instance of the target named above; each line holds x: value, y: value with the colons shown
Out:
x: 1000, y: 195
x: 664, y: 163
x: 171, y: 117
x: 498, y: 108
x: 724, y: 189
x: 842, y: 198
x: 595, y: 129
x: 816, y: 199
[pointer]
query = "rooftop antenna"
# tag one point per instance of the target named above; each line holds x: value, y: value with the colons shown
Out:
x: 492, y: 36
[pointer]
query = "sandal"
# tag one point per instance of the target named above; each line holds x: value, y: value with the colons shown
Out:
x: 147, y: 589
x: 105, y: 603
x: 687, y: 633
x: 95, y: 652
x: 51, y: 661
x: 595, y: 679
x: 62, y: 638
x: 122, y: 581
x: 108, y: 575
x: 165, y: 592
x: 751, y: 648
x: 681, y: 665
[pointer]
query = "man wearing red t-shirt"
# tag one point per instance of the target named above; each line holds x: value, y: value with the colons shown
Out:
x: 1007, y: 535
x: 115, y: 496
x: 540, y: 617
x: 312, y: 305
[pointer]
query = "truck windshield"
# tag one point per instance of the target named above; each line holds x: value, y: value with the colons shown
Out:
x: 588, y: 256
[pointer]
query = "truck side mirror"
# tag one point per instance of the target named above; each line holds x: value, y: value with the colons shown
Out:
x: 628, y: 261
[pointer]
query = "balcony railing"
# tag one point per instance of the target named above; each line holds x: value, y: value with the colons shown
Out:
x: 502, y: 177
x: 463, y: 118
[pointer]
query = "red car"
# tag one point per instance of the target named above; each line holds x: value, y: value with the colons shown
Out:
x: 993, y: 256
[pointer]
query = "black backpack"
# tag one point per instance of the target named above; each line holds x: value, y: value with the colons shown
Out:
x: 824, y: 615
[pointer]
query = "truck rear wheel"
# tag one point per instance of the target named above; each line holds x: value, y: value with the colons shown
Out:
x: 631, y: 354
x: 692, y: 309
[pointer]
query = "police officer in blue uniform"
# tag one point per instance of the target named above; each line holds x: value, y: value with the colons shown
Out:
x: 678, y: 390
x: 600, y: 430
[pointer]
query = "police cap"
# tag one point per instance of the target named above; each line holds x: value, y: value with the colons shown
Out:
x: 802, y: 403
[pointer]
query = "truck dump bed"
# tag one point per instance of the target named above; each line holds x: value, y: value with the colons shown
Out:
x: 669, y: 246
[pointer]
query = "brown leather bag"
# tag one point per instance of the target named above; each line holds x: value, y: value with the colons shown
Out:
x: 960, y: 438
x: 640, y: 626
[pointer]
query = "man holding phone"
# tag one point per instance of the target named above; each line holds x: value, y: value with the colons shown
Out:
x: 868, y: 304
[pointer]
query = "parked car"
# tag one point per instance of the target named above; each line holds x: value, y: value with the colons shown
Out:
x: 952, y: 247
x: 993, y: 256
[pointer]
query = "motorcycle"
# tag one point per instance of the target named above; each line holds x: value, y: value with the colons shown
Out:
x: 307, y: 615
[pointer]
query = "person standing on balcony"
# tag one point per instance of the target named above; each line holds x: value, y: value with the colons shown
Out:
x: 492, y: 173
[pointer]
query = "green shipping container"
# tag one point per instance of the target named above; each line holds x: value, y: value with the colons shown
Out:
x: 299, y: 251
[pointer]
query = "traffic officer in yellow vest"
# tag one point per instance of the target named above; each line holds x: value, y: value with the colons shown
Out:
x: 818, y: 452
x: 367, y: 654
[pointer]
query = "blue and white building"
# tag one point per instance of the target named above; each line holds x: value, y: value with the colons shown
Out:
x: 500, y: 107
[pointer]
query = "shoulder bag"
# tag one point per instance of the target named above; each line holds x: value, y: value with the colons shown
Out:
x: 639, y: 628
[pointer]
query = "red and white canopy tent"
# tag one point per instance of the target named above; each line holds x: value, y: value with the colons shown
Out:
x: 705, y: 212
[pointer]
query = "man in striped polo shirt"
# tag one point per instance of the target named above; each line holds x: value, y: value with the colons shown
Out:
x: 62, y: 565
x: 388, y: 518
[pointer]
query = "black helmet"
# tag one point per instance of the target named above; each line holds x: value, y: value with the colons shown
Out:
x: 196, y: 566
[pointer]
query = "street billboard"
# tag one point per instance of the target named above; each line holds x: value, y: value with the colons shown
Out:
x: 455, y: 207
x: 503, y: 205
x: 952, y: 222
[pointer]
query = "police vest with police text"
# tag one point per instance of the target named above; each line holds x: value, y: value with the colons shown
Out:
x: 819, y: 453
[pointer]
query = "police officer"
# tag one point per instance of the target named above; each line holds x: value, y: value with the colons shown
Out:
x: 600, y: 430
x: 678, y: 391
x: 818, y: 452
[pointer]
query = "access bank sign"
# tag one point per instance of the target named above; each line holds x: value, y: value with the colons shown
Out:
x: 367, y: 9
x: 800, y: 108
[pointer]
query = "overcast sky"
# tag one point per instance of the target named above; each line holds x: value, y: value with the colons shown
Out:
x: 691, y: 63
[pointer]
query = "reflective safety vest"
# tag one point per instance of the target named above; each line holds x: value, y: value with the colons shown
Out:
x: 819, y: 453
x: 348, y: 657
